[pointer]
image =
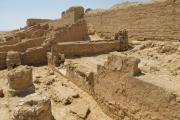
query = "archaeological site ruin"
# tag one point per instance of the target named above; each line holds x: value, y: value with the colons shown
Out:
x: 121, y: 63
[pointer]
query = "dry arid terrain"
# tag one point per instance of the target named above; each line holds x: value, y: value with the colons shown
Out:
x: 121, y: 63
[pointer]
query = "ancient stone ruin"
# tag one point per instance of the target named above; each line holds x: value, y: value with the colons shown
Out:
x: 20, y: 80
x: 117, y: 64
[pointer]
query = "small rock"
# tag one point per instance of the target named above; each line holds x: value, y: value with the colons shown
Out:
x: 67, y: 101
x: 63, y: 84
x: 37, y: 81
x: 50, y: 81
x: 38, y: 76
x: 76, y: 96
x: 50, y: 72
x: 174, y: 73
x: 169, y: 61
x: 1, y: 93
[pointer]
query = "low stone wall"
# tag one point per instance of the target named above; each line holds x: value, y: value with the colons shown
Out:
x: 71, y: 49
x: 22, y: 46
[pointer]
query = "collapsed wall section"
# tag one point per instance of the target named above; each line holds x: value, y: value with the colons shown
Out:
x: 155, y: 21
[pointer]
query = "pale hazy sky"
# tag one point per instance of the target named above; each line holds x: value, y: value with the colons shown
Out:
x: 13, y: 13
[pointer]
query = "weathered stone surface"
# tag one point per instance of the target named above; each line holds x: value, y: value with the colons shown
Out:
x: 13, y: 59
x: 20, y: 80
x: 33, y: 108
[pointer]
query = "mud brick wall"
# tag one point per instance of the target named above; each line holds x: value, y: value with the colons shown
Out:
x: 22, y: 46
x: 34, y: 56
x: 32, y: 22
x: 85, y: 48
x: 155, y: 21
x: 75, y: 32
x: 72, y: 15
x: 68, y: 17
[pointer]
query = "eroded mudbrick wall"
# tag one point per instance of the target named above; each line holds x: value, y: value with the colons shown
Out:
x: 34, y: 56
x: 22, y: 46
x: 68, y: 17
x: 74, y: 32
x: 85, y: 48
x: 72, y: 15
x: 156, y: 21
x: 32, y: 22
